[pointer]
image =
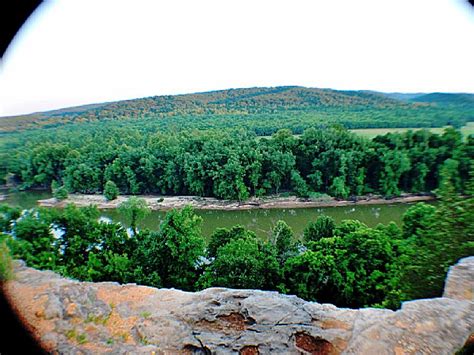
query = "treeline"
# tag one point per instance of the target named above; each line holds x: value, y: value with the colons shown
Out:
x: 350, y: 264
x: 237, y: 164
x: 262, y: 123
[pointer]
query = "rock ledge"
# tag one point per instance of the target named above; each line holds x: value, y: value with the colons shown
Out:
x: 68, y: 316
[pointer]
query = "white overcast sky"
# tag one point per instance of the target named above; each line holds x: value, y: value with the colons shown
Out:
x: 85, y: 51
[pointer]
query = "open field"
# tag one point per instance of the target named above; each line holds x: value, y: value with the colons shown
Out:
x: 373, y: 132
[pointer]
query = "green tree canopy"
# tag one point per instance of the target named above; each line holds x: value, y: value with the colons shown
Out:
x: 172, y: 255
x: 111, y: 190
x: 135, y: 209
x: 243, y: 263
x: 323, y: 227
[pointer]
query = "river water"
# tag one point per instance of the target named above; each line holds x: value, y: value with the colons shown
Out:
x: 260, y: 221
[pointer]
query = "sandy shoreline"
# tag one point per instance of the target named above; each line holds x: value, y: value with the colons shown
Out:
x: 156, y: 202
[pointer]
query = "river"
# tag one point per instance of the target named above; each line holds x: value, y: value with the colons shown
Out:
x: 260, y: 221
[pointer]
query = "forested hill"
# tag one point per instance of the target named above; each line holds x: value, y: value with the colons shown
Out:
x: 291, y: 107
x: 440, y: 98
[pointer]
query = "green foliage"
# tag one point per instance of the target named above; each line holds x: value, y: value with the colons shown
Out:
x: 348, y: 264
x: 111, y: 190
x: 435, y: 238
x: 323, y: 228
x: 34, y: 242
x: 172, y: 256
x: 348, y: 226
x: 222, y: 236
x: 396, y: 163
x: 284, y: 241
x: 338, y: 188
x: 313, y: 276
x: 418, y: 219
x: 299, y: 184
x: 449, y: 180
x: 60, y: 193
x: 135, y: 209
x: 243, y: 263
x: 7, y: 216
x: 6, y: 268
x: 235, y: 164
x: 354, y: 270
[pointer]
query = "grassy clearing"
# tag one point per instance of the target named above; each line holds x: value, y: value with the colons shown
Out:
x: 372, y: 132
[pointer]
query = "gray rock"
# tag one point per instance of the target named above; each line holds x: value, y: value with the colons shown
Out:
x: 460, y: 281
x: 54, y: 308
x: 81, y: 317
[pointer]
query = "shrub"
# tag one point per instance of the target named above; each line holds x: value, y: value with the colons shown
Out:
x: 6, y: 269
x: 60, y: 193
x: 322, y: 228
x: 243, y: 263
x: 111, y: 190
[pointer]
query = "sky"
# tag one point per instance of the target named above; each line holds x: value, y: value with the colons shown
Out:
x: 71, y: 53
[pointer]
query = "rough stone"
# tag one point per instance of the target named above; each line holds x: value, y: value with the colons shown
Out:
x: 69, y: 317
x: 460, y: 281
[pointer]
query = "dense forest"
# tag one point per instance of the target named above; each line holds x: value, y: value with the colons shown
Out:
x: 235, y: 164
x: 348, y: 264
x: 265, y: 110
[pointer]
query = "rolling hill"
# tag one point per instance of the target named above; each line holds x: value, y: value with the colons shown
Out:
x: 309, y: 106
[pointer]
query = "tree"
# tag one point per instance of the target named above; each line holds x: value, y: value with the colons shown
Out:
x: 420, y: 172
x: 135, y: 209
x: 34, y: 241
x: 230, y: 184
x: 7, y: 216
x: 338, y: 188
x: 299, y: 184
x: 111, y: 190
x: 368, y: 264
x: 348, y: 226
x: 60, y: 193
x: 313, y: 276
x: 77, y: 228
x: 449, y: 184
x: 435, y: 238
x: 355, y: 270
x: 243, y: 263
x: 222, y: 236
x: 283, y: 240
x: 395, y: 164
x: 172, y: 255
x: 418, y: 219
x: 323, y: 228
x: 82, y: 177
x: 45, y: 164
x: 111, y: 259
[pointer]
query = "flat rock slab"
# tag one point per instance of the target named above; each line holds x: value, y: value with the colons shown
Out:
x: 68, y: 317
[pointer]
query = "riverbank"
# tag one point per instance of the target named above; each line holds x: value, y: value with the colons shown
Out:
x: 208, y: 203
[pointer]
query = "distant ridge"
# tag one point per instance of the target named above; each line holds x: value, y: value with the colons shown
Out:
x: 404, y: 96
x: 447, y: 98
x: 280, y: 100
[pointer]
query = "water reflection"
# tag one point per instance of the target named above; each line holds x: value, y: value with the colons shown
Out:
x: 261, y: 221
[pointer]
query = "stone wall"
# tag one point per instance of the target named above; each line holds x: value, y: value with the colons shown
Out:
x: 81, y: 317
